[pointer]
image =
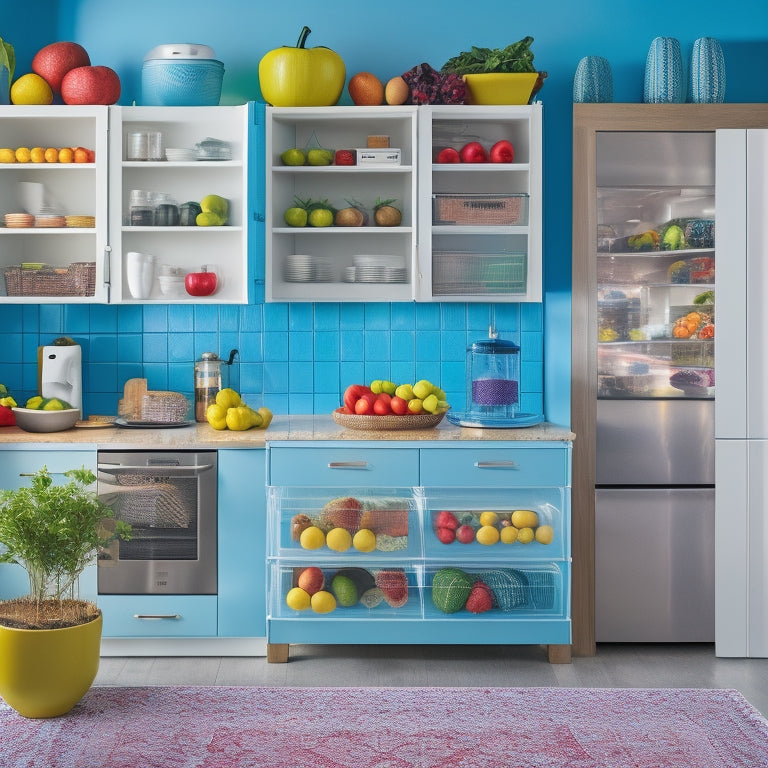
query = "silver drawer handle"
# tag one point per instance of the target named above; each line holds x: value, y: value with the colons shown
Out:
x: 347, y: 465
x: 495, y: 464
x: 156, y: 615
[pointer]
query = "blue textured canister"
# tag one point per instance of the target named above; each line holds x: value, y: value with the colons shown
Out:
x: 707, y: 72
x: 664, y: 82
x: 593, y: 81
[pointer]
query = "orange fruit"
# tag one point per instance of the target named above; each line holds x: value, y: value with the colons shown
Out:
x: 366, y: 90
x: 51, y: 155
x: 66, y: 155
x: 37, y: 155
x: 23, y: 155
x: 81, y: 155
x: 396, y: 91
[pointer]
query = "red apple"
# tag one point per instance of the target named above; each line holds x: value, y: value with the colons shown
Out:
x: 381, y: 408
x: 465, y: 534
x: 200, y: 283
x: 448, y: 155
x: 90, y: 85
x: 474, y: 152
x: 446, y: 535
x: 56, y: 59
x: 398, y: 406
x: 352, y: 394
x: 311, y: 580
x: 502, y: 152
x: 446, y: 519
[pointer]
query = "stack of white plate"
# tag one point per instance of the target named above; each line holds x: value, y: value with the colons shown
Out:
x: 370, y: 274
x: 176, y: 155
x: 299, y: 268
x: 395, y: 275
x: 379, y: 269
x: 323, y: 271
x: 350, y: 274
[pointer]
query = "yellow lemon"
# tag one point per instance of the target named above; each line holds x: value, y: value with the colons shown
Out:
x: 312, y: 538
x: 23, y: 155
x: 31, y: 89
x: 508, y: 534
x: 488, y: 518
x: 364, y: 540
x: 525, y: 535
x: 7, y: 155
x: 525, y: 518
x: 66, y: 155
x: 323, y: 602
x: 338, y: 539
x: 297, y: 599
x: 37, y: 155
x: 545, y: 534
x: 51, y: 155
x: 487, y: 534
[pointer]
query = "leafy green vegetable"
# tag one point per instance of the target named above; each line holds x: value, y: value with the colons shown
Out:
x: 7, y: 59
x: 516, y: 57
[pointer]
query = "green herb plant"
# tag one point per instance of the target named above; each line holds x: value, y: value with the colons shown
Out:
x: 54, y: 531
x: 7, y: 59
x: 516, y: 57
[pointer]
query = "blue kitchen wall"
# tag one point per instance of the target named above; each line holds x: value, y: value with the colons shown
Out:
x: 299, y: 357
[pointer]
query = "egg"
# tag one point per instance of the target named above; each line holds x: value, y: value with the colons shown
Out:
x: 396, y: 91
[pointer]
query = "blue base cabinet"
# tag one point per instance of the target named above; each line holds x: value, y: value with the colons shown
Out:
x: 400, y: 542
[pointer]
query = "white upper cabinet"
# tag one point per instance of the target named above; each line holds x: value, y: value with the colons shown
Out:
x: 341, y: 263
x: 480, y: 227
x: 177, y: 248
x: 53, y: 215
x: 469, y: 231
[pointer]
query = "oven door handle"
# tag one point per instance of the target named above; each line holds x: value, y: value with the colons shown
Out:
x: 160, y: 469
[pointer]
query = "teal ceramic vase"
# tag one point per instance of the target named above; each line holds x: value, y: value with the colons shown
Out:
x: 664, y: 81
x: 707, y: 72
x: 593, y: 81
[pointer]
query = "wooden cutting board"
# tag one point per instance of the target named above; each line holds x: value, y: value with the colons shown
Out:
x: 129, y: 407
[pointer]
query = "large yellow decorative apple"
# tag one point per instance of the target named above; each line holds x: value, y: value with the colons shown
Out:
x: 301, y: 77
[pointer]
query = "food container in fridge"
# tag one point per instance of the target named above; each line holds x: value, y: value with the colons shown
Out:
x: 480, y: 210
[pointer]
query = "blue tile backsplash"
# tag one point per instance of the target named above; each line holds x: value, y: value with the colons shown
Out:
x: 293, y: 358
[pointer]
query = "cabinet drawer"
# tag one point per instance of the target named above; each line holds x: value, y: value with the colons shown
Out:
x: 370, y: 523
x: 361, y: 592
x: 159, y: 615
x: 493, y: 525
x: 350, y: 467
x: 501, y: 592
x: 495, y: 467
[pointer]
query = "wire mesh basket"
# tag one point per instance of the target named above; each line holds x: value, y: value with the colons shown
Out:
x: 165, y: 407
x: 458, y: 273
x: 78, y: 279
x: 497, y: 210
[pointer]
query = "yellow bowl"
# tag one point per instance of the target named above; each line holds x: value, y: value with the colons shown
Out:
x: 500, y: 87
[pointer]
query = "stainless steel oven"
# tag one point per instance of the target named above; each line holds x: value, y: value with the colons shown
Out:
x: 169, y: 498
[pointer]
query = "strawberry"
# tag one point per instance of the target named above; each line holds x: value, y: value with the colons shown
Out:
x: 345, y: 157
x: 394, y: 585
x: 479, y: 599
x: 446, y: 519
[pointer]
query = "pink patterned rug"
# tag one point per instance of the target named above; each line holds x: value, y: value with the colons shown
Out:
x: 233, y: 727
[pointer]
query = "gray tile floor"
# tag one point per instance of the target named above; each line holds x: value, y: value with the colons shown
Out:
x: 614, y: 666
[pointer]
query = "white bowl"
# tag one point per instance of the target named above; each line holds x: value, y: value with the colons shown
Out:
x: 33, y: 420
x: 171, y: 285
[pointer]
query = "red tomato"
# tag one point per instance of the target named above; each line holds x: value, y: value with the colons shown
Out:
x: 362, y: 406
x: 398, y: 406
x: 381, y: 408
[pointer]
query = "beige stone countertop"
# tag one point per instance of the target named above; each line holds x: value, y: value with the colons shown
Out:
x: 283, y: 428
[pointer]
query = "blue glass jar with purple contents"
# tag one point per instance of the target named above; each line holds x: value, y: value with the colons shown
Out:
x: 493, y: 376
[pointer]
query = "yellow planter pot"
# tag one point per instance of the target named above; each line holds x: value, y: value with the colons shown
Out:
x: 45, y: 672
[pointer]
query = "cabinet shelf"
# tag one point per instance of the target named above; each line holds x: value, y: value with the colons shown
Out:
x: 480, y: 167
x: 343, y: 231
x: 655, y: 254
x: 196, y: 164
x: 354, y: 169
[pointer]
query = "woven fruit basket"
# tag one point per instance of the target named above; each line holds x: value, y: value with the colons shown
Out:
x: 378, y: 423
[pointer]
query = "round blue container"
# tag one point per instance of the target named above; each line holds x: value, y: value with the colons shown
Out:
x: 181, y: 82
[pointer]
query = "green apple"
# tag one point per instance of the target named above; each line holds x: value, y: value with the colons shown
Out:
x: 440, y: 393
x: 293, y: 157
x: 296, y: 217
x: 423, y: 388
x: 320, y: 217
x: 388, y: 387
x: 430, y: 403
x: 319, y: 157
x: 405, y: 391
